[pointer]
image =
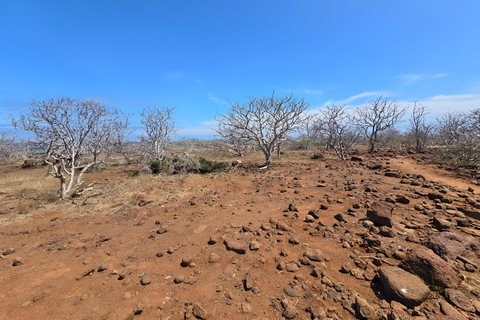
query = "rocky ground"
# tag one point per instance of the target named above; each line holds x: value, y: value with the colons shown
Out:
x: 384, y: 236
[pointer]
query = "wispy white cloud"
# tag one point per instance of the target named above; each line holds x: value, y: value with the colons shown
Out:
x: 313, y: 92
x: 202, y: 131
x: 215, y: 99
x: 443, y: 103
x: 410, y: 78
x: 439, y: 75
x: 362, y: 95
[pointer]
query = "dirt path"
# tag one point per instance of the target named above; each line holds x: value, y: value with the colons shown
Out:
x: 430, y: 172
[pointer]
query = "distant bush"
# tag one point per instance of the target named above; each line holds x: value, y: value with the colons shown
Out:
x: 185, y: 164
x: 208, y: 166
x: 134, y: 173
x: 155, y: 166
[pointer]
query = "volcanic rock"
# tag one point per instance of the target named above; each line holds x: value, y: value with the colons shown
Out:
x: 381, y: 213
x: 403, y: 286
x: 430, y: 268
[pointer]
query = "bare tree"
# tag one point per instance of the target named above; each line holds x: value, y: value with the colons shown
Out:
x: 63, y: 129
x: 309, y: 129
x: 108, y: 133
x: 233, y: 144
x: 420, y: 130
x: 338, y: 126
x: 159, y: 127
x: 266, y: 121
x: 452, y: 126
x: 7, y: 145
x: 376, y: 116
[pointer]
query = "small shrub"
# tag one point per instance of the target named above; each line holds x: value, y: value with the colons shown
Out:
x: 134, y: 173
x: 155, y: 166
x: 185, y: 164
x: 208, y: 166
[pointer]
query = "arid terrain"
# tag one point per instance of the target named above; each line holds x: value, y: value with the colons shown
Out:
x: 305, y: 239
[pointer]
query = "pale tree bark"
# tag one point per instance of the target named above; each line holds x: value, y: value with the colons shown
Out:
x: 63, y: 130
x: 420, y: 130
x: 377, y: 116
x: 159, y: 130
x: 338, y: 125
x: 266, y: 121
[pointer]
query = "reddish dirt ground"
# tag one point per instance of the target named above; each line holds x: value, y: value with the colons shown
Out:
x: 87, y: 260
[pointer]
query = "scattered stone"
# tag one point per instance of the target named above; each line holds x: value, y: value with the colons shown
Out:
x: 450, y: 245
x: 314, y: 254
x: 403, y: 286
x: 430, y: 268
x: 458, y: 299
x: 291, y: 267
x: 309, y: 218
x: 213, y: 240
x: 145, y: 281
x: 291, y: 291
x: 364, y: 310
x: 346, y: 268
x: 435, y: 195
x: 402, y: 199
x: 246, y: 308
x: 341, y: 217
x: 442, y: 223
x: 254, y: 245
x: 314, y: 213
x: 387, y: 232
x: 354, y: 158
x: 39, y: 297
x: 394, y: 174
x: 199, y: 311
x: 161, y: 230
x: 236, y: 246
x: 448, y: 310
x: 381, y: 213
x: 289, y: 310
x: 144, y: 199
x: 179, y: 279
x: 187, y: 261
x: 8, y: 251
x: 292, y: 207
x: 170, y: 250
x: 17, y: 262
x: 282, y: 226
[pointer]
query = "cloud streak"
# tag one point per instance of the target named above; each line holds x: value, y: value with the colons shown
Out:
x: 410, y: 78
x: 216, y: 100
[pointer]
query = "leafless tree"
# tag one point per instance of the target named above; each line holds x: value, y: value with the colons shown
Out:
x: 232, y: 143
x: 159, y: 130
x: 309, y: 129
x: 7, y: 145
x: 108, y: 134
x: 337, y: 125
x: 452, y: 126
x: 63, y: 129
x: 266, y: 121
x: 420, y: 130
x: 376, y: 116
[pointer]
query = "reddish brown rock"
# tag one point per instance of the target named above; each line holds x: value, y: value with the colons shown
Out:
x: 314, y: 254
x: 450, y: 245
x: 458, y: 299
x: 144, y: 199
x: 403, y: 286
x: 430, y: 268
x: 237, y: 246
x: 380, y: 212
x: 283, y: 226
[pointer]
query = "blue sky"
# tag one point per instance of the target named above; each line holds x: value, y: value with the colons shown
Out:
x: 197, y: 55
